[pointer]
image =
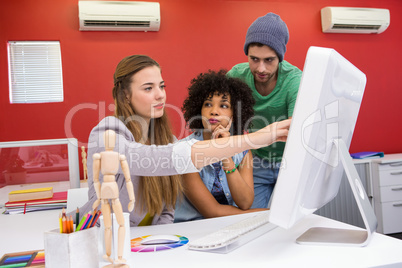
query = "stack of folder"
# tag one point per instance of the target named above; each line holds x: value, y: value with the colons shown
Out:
x: 57, y: 201
x: 30, y: 194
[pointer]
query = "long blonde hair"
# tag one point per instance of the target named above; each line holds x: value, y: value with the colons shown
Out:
x: 155, y: 192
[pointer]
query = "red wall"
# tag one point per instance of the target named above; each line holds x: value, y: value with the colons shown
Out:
x: 195, y: 35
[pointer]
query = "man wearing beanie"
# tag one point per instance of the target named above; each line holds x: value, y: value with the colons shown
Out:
x: 274, y: 84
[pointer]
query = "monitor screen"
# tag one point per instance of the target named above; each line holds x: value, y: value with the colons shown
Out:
x: 31, y: 164
x: 326, y: 111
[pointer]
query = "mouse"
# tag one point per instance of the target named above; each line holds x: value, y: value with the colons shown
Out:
x: 160, y: 239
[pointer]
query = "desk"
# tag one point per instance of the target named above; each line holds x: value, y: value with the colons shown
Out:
x: 274, y: 249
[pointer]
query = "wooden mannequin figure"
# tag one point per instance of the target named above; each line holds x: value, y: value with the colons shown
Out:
x: 108, y: 163
x: 84, y: 163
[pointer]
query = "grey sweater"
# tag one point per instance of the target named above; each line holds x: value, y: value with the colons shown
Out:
x: 143, y: 160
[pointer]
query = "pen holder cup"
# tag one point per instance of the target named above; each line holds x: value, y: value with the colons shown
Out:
x: 115, y: 228
x: 73, y: 250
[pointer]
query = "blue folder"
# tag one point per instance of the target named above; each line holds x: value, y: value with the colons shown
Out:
x: 365, y: 155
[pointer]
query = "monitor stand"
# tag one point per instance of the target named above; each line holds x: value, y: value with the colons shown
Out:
x: 346, y: 237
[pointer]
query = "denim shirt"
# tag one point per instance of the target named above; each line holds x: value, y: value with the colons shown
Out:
x: 185, y: 211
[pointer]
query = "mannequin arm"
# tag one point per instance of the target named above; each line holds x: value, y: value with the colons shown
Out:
x: 97, y: 186
x: 129, y: 184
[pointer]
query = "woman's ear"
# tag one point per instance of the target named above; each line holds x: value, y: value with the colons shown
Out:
x: 127, y: 96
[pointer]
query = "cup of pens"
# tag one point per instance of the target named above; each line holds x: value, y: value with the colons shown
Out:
x: 73, y: 247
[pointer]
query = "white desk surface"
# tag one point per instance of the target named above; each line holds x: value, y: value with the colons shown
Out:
x: 274, y: 249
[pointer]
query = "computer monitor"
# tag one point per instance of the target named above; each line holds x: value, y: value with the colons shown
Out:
x: 316, y: 152
x: 38, y: 163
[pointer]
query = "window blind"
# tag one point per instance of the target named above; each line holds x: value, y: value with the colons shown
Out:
x: 35, y: 71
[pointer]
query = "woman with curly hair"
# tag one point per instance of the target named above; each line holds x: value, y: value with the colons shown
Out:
x: 218, y: 106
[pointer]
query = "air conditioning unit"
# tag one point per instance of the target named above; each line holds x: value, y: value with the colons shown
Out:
x: 119, y: 16
x: 354, y: 20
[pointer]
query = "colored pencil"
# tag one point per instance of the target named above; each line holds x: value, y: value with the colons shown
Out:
x: 86, y: 221
x: 68, y: 225
x: 64, y: 225
x: 96, y: 218
x: 60, y: 224
x: 92, y: 219
x: 81, y: 222
x: 71, y: 224
x: 77, y: 216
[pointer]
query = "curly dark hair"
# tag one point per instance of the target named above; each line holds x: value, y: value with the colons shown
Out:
x: 212, y: 82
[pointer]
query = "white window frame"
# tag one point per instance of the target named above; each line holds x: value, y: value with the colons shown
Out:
x: 35, y: 71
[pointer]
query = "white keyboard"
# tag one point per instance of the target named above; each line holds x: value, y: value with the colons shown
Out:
x: 234, y: 235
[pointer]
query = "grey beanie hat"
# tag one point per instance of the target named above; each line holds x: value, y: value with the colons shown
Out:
x: 268, y: 30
